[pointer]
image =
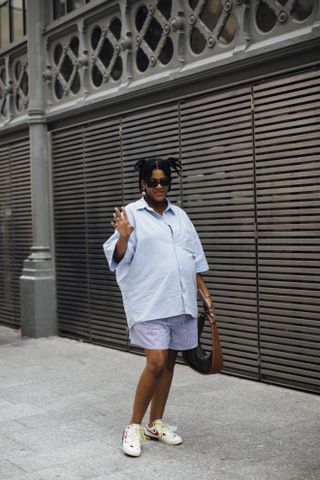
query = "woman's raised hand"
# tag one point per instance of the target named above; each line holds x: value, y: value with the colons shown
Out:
x: 121, y: 223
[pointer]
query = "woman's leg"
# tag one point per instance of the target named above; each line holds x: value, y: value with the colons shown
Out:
x: 148, y: 383
x: 160, y: 396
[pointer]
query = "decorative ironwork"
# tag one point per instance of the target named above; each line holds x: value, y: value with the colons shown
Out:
x: 153, y: 42
x: 115, y: 43
x: 3, y: 92
x: 66, y: 68
x: 212, y: 21
x: 105, y: 58
x: 269, y: 13
x: 21, y: 87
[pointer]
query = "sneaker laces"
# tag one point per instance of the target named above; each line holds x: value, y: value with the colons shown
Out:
x: 133, y: 433
x: 161, y: 427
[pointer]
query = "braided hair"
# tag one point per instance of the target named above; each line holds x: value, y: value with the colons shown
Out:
x: 145, y: 166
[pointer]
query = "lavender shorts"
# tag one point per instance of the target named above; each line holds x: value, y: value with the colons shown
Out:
x: 175, y: 333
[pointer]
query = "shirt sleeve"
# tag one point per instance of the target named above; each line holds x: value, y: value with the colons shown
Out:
x: 200, y: 258
x: 109, y: 247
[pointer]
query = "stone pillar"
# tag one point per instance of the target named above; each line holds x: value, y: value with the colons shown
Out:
x: 37, y: 282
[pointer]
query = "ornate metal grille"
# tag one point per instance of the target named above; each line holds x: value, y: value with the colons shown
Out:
x: 153, y: 42
x: 14, y: 86
x: 119, y: 42
x: 21, y: 89
x: 3, y: 92
x: 269, y: 13
x: 66, y: 68
x: 106, y: 61
x: 212, y: 21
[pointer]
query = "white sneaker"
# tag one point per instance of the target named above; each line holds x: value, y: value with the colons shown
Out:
x: 131, y: 440
x: 161, y: 431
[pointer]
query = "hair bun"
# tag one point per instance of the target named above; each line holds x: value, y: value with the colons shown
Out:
x: 175, y: 164
x: 139, y: 164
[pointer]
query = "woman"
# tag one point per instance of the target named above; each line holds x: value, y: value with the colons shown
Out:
x: 158, y: 258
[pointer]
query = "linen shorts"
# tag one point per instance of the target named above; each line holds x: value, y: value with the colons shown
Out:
x: 176, y: 333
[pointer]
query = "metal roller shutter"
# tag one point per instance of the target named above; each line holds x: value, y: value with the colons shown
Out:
x: 15, y: 225
x: 7, y: 314
x: 87, y: 185
x: 218, y: 193
x: 287, y: 151
x: 250, y: 183
x: 70, y: 232
x: 103, y: 184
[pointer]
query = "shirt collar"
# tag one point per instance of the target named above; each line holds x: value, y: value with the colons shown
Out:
x: 142, y: 204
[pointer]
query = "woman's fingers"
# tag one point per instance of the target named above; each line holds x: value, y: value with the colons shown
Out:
x: 120, y: 221
x: 117, y: 213
x: 120, y: 215
x: 124, y: 213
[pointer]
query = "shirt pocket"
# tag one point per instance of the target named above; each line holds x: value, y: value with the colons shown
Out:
x: 186, y: 241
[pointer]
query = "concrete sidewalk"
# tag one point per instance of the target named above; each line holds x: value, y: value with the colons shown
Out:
x: 64, y: 404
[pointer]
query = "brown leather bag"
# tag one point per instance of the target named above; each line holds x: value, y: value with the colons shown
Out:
x: 197, y: 358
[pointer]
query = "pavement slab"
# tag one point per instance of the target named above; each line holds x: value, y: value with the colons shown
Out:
x: 64, y: 405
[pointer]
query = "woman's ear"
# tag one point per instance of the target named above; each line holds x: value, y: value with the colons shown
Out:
x: 143, y: 188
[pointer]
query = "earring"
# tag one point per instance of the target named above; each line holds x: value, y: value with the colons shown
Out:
x: 143, y: 193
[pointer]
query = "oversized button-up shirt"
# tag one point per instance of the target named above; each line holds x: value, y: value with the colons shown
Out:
x: 157, y: 275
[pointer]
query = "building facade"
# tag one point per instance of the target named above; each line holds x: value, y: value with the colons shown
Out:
x: 232, y: 88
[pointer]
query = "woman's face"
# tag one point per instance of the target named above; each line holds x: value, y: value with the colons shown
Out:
x: 154, y: 190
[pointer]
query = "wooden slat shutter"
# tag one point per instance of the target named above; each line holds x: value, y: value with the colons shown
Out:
x: 15, y: 225
x: 287, y: 145
x: 218, y: 193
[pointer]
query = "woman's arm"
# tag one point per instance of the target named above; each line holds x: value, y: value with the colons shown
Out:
x: 202, y: 286
x: 122, y: 225
x: 120, y: 249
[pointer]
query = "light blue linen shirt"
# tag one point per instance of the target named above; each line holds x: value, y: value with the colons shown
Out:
x: 157, y: 275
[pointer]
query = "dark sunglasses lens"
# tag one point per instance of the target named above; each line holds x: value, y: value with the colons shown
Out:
x: 153, y: 183
x: 164, y: 182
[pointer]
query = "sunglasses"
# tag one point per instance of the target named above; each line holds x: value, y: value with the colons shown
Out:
x: 153, y: 183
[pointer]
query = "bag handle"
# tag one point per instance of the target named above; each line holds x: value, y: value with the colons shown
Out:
x: 217, y: 355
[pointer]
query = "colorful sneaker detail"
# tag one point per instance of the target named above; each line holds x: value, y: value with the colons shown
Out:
x: 131, y: 440
x: 161, y: 431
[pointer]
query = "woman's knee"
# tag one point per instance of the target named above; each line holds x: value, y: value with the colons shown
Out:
x: 157, y: 363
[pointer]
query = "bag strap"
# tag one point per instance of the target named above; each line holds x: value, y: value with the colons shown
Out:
x: 217, y: 355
